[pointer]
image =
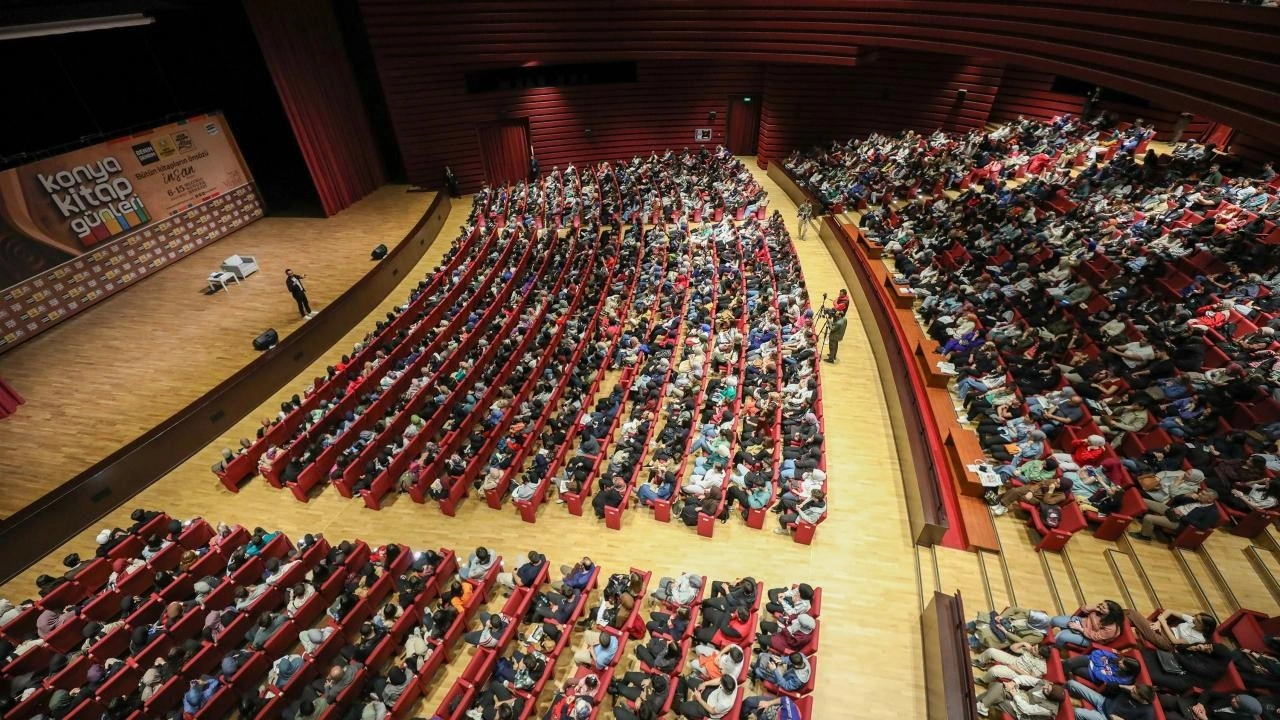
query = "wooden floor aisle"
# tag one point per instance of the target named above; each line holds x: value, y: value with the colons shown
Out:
x: 862, y: 557
x: 101, y: 379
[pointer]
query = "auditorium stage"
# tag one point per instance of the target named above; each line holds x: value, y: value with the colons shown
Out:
x: 106, y: 376
x: 862, y: 555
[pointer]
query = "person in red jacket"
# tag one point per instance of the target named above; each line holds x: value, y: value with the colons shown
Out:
x: 722, y: 629
x: 1088, y: 452
x: 842, y: 301
x: 784, y: 640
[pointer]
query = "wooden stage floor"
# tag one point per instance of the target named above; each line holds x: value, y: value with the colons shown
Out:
x: 862, y: 557
x: 101, y: 379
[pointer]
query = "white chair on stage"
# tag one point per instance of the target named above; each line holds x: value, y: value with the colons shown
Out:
x: 241, y: 266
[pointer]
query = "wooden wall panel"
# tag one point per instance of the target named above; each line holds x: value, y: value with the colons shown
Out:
x: 1029, y: 93
x: 1215, y: 59
x: 661, y: 110
x: 1254, y: 150
x: 807, y: 104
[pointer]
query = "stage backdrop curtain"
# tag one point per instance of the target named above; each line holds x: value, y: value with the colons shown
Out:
x: 504, y: 146
x: 303, y: 47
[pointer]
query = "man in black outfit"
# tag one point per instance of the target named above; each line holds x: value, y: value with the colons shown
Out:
x: 294, y: 285
x: 835, y: 333
x: 451, y: 182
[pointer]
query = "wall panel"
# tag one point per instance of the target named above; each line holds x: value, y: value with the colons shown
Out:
x: 661, y: 110
x: 1214, y: 59
x: 808, y: 104
x: 1029, y: 93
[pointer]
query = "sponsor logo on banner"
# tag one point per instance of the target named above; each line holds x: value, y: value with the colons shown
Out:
x: 211, y: 128
x: 165, y: 147
x: 183, y: 140
x: 146, y: 153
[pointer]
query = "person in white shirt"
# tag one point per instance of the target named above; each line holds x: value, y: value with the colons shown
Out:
x: 477, y: 565
x: 712, y: 699
x: 680, y: 591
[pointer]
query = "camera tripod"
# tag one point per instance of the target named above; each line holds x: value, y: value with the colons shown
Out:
x: 823, y: 326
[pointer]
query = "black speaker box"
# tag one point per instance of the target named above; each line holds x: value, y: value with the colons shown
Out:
x: 379, y: 252
x: 266, y: 340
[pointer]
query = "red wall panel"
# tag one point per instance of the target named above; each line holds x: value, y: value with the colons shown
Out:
x: 808, y: 104
x: 894, y: 62
x: 1254, y: 150
x: 661, y: 110
x: 1029, y: 93
x: 1215, y: 59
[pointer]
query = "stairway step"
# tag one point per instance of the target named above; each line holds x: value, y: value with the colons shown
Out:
x: 1268, y: 569
x: 962, y: 570
x: 1055, y: 565
x: 1086, y: 559
x: 1025, y: 571
x: 1136, y: 582
x: 928, y: 570
x: 997, y: 579
x: 1132, y: 593
x: 1161, y: 569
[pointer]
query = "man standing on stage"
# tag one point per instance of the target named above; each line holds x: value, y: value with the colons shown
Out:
x: 294, y: 284
x: 835, y: 333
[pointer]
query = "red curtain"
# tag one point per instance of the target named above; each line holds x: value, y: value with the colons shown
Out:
x: 504, y: 148
x: 303, y: 48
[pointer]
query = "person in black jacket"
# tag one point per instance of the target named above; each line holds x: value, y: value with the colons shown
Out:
x: 639, y: 696
x: 1211, y: 705
x: 1198, y: 510
x: 672, y: 625
x: 1188, y: 666
x: 659, y: 654
x: 1258, y: 670
x: 1128, y: 702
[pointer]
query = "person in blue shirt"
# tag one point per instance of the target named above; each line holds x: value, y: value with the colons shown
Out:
x: 477, y: 565
x: 790, y: 673
x: 201, y: 690
x: 600, y: 650
x: 766, y: 707
x: 1103, y: 665
x: 525, y: 575
x: 576, y: 577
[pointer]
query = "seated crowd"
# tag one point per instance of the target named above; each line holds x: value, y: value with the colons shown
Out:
x: 463, y: 390
x: 1105, y: 663
x: 1109, y: 315
x: 692, y: 656
x: 177, y: 619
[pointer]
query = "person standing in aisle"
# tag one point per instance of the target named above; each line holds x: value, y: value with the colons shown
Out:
x: 804, y: 214
x: 835, y: 333
x: 293, y: 283
x: 451, y: 182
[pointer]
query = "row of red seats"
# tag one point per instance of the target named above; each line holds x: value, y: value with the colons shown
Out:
x: 325, y: 389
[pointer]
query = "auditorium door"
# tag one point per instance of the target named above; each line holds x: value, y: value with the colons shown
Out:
x: 744, y: 124
x: 504, y: 150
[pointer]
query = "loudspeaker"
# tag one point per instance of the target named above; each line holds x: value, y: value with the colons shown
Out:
x: 961, y: 94
x: 379, y: 252
x: 266, y: 340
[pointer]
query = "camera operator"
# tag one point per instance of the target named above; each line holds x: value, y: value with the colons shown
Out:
x: 835, y: 333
